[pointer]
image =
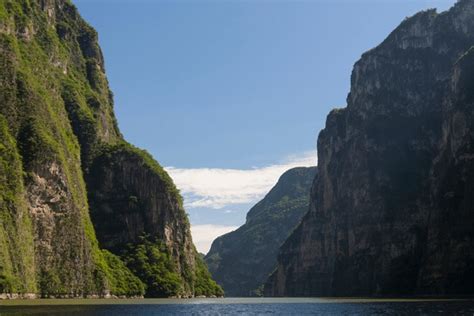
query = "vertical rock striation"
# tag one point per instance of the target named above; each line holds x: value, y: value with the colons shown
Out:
x: 391, y: 211
x: 62, y: 158
x: 49, y: 242
x: 132, y: 197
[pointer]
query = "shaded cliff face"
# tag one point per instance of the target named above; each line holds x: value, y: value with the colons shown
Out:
x: 131, y: 197
x: 449, y: 265
x: 56, y: 125
x: 390, y: 212
x: 241, y: 261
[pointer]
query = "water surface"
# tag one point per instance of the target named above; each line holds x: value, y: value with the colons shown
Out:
x: 238, y: 306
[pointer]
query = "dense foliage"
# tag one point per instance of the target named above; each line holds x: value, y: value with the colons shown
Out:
x: 205, y: 285
x: 56, y: 118
x: 122, y: 281
x: 16, y: 259
x: 151, y: 262
x: 37, y: 137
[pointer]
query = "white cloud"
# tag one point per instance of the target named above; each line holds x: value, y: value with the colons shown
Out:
x: 203, y: 235
x: 217, y: 188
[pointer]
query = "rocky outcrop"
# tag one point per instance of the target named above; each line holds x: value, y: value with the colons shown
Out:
x: 49, y: 245
x: 131, y: 196
x: 391, y: 211
x: 241, y: 261
x: 59, y: 145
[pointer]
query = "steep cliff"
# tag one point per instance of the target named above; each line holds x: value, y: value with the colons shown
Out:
x: 58, y: 135
x: 135, y: 208
x: 392, y: 209
x: 241, y: 261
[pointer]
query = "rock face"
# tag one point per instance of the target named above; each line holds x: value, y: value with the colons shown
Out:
x: 131, y: 196
x: 241, y: 261
x: 59, y: 148
x: 392, y: 210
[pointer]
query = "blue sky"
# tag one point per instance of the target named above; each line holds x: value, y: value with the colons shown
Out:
x: 228, y: 94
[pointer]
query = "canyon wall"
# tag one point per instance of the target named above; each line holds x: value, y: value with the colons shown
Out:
x: 392, y: 211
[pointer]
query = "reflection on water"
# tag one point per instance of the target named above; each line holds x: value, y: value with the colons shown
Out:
x: 238, y: 307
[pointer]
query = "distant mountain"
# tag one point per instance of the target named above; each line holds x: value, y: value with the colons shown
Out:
x: 241, y: 261
x: 392, y: 210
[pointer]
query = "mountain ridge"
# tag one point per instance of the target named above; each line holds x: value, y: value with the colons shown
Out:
x: 240, y: 261
x: 389, y: 213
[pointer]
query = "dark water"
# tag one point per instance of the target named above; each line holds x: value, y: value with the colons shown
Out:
x: 240, y: 307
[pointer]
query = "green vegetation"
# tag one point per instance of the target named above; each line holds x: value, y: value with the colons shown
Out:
x: 16, y: 236
x: 151, y: 261
x: 37, y: 68
x: 124, y: 149
x: 8, y: 284
x: 204, y: 284
x: 50, y: 284
x: 122, y: 280
x: 56, y: 119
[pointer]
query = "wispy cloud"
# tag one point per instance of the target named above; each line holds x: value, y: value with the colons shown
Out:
x: 217, y: 188
x: 203, y: 235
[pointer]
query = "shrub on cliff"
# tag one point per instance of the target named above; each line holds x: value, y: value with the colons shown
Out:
x: 150, y: 260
